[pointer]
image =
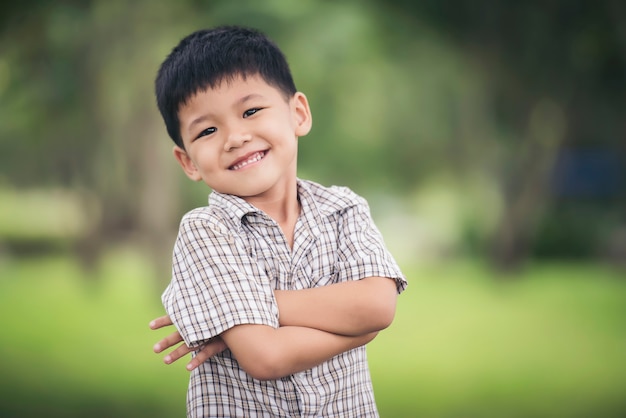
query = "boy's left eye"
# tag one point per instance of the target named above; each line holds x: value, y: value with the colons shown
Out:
x: 251, y: 112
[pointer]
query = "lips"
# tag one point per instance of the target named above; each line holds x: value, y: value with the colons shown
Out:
x: 247, y: 160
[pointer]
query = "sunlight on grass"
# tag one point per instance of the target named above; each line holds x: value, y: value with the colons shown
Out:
x: 86, y: 333
x: 464, y: 342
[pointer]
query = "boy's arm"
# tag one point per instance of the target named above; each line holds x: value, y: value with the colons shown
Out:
x: 348, y: 308
x: 266, y: 351
x: 339, y: 317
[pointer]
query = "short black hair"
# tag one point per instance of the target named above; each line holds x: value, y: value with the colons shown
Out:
x: 206, y: 58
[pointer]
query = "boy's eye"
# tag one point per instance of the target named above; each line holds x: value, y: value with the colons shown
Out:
x: 250, y: 112
x: 207, y: 131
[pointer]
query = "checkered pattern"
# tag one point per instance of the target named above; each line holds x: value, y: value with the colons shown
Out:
x: 229, y: 257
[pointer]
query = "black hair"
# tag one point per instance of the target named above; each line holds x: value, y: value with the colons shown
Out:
x: 206, y: 58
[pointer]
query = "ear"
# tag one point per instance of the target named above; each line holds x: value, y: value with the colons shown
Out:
x: 186, y: 163
x: 302, y: 114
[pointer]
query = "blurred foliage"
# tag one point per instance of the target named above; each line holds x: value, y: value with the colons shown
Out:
x: 468, y: 107
x: 475, y: 128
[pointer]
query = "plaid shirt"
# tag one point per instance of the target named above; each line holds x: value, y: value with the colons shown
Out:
x: 229, y: 257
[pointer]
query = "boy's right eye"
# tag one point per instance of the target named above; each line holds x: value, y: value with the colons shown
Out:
x: 207, y: 131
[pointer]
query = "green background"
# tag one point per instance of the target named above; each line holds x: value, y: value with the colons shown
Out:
x: 487, y: 136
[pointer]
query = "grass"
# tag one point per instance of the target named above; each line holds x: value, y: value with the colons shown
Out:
x: 77, y: 344
x: 465, y: 343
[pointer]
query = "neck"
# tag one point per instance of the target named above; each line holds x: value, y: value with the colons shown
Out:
x: 282, y: 206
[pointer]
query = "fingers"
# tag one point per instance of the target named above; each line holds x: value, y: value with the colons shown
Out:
x: 180, y: 351
x: 167, y: 342
x: 210, y: 349
x: 207, y: 351
x: 160, y: 322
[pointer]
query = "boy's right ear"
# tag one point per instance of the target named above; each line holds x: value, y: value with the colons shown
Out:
x: 186, y: 163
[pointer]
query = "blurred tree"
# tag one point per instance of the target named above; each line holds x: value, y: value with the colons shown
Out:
x: 557, y: 76
x: 77, y: 103
x: 402, y: 92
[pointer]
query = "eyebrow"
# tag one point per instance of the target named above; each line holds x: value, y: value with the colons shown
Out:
x: 197, y: 121
x: 248, y: 97
x: 241, y: 101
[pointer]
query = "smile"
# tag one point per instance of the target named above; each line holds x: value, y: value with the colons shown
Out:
x: 251, y: 159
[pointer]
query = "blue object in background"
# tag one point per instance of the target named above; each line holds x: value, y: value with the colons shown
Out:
x: 589, y: 173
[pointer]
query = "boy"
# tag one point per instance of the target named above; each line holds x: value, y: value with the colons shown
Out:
x: 280, y: 282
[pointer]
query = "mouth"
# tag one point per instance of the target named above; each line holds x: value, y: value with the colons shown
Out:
x: 255, y: 157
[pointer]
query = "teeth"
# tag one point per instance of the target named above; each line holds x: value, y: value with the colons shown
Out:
x: 253, y: 159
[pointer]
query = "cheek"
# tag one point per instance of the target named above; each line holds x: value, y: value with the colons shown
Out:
x: 209, y: 155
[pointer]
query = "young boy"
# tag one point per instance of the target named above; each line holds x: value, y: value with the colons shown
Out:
x: 279, y: 283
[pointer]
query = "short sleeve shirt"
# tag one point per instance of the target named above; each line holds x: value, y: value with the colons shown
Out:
x: 228, y: 259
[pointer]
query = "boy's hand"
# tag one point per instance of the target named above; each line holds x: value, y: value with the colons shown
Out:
x: 212, y: 347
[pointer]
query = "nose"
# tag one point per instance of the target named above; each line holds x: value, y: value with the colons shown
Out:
x: 236, y: 139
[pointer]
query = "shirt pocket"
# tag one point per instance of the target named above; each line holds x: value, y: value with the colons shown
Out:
x: 324, y: 280
x: 315, y: 275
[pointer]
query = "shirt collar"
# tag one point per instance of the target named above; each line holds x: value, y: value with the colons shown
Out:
x: 234, y: 206
x: 316, y: 200
x: 325, y: 201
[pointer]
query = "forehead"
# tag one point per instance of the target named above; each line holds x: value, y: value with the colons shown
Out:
x: 229, y: 90
x: 240, y: 84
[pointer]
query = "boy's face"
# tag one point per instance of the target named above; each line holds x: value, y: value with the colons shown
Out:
x: 241, y: 137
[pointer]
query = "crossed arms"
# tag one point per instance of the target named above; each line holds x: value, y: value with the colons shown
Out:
x: 316, y: 324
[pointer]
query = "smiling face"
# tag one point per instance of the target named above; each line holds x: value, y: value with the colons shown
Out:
x: 241, y: 137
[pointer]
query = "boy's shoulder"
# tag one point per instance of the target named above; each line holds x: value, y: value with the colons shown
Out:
x: 219, y: 215
x: 329, y: 199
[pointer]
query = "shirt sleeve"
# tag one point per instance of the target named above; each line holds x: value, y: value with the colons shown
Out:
x: 215, y: 284
x: 362, y: 250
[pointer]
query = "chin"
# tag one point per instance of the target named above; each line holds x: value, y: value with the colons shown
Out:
x: 242, y: 191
